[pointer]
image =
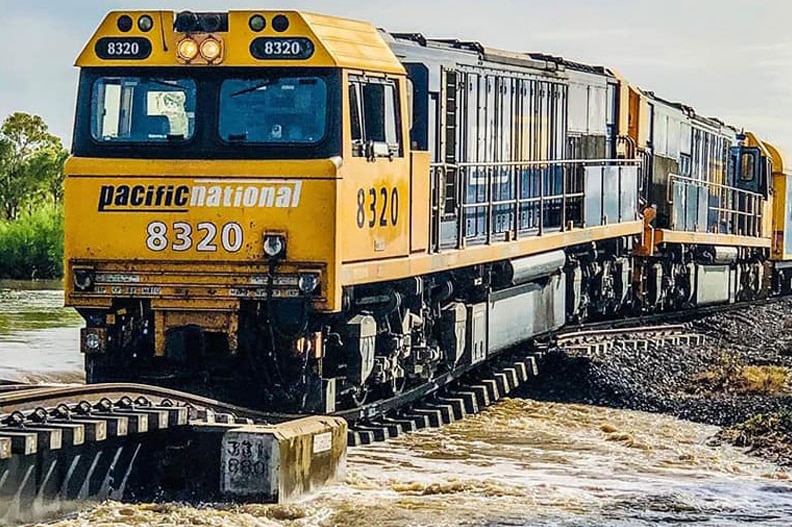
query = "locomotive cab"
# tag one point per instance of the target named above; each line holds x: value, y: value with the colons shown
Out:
x: 224, y: 166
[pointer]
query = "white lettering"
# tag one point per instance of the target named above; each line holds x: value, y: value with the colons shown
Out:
x: 267, y: 197
x: 284, y: 197
x: 215, y: 194
x: 251, y: 197
x: 270, y: 195
x: 198, y: 196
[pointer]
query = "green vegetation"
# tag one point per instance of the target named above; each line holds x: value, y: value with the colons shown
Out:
x: 32, y: 245
x: 31, y: 194
x: 767, y: 434
x: 730, y: 375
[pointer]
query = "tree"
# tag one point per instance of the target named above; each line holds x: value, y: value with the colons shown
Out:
x: 47, y: 165
x: 31, y: 162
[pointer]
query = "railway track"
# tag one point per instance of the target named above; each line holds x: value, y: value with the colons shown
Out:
x: 83, y: 435
x: 445, y: 402
x: 445, y: 399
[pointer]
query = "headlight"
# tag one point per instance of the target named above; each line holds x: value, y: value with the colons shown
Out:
x: 93, y: 340
x: 83, y: 279
x: 187, y: 49
x: 145, y: 23
x: 210, y: 49
x: 274, y: 245
x: 308, y: 282
x: 257, y: 23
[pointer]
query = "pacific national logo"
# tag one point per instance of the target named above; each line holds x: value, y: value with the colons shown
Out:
x: 209, y: 193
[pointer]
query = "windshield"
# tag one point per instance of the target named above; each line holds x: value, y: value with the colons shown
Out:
x: 208, y: 113
x: 282, y: 110
x: 140, y: 109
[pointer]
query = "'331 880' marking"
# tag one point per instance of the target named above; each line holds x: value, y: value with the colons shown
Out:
x: 180, y: 236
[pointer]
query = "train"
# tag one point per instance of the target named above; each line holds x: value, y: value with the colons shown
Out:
x: 298, y: 212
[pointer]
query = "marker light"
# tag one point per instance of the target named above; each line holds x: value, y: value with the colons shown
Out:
x: 308, y: 282
x: 280, y: 23
x: 257, y: 23
x: 145, y: 23
x: 210, y: 49
x: 124, y: 23
x: 92, y: 341
x: 84, y: 279
x: 187, y: 49
x: 274, y: 245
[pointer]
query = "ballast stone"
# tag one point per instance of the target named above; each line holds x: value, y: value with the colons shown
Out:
x: 276, y: 463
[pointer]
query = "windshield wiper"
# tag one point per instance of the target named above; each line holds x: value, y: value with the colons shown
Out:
x: 167, y: 84
x: 175, y: 137
x: 262, y: 84
x: 237, y: 138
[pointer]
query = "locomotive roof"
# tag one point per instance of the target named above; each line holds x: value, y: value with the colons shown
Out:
x: 338, y: 42
x: 536, y: 61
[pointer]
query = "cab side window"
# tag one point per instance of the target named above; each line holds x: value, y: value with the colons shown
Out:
x: 374, y: 118
x: 748, y: 169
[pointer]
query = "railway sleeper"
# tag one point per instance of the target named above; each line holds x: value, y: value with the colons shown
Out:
x: 456, y: 404
x: 360, y: 437
x: 482, y: 395
x: 137, y: 422
x: 432, y: 415
x: 5, y: 448
x: 406, y: 425
x: 380, y: 433
x: 469, y: 399
x: 48, y: 438
x: 421, y: 421
x: 154, y: 453
x: 446, y: 412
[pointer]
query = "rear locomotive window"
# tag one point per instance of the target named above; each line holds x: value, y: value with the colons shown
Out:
x: 277, y: 110
x: 142, y: 110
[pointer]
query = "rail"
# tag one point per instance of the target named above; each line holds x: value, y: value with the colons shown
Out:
x: 577, y: 336
x: 702, y: 206
x: 482, y: 203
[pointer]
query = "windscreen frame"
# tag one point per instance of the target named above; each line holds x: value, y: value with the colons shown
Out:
x: 206, y: 142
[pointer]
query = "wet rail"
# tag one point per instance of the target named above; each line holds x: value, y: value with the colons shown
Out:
x: 74, y: 442
x: 68, y: 444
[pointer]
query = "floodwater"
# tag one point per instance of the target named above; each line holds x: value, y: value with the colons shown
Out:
x: 39, y: 338
x: 519, y: 463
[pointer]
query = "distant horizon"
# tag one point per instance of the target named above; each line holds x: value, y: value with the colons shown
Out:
x: 683, y: 51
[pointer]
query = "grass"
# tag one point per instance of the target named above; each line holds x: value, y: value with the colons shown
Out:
x: 730, y: 376
x: 767, y: 434
x: 32, y: 245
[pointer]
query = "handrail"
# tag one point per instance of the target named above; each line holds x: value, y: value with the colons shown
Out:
x: 504, y: 200
x: 738, y: 211
x: 702, y: 183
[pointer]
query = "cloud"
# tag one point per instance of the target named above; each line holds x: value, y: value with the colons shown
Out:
x: 728, y: 58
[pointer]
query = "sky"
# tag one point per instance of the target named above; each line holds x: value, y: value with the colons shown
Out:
x: 730, y: 59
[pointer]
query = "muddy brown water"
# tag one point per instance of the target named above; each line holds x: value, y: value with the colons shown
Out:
x: 39, y: 338
x: 518, y: 463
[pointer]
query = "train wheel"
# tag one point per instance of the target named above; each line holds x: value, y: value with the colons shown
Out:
x: 396, y: 385
x: 359, y: 396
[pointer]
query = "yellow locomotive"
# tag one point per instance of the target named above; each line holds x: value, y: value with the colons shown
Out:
x: 297, y: 211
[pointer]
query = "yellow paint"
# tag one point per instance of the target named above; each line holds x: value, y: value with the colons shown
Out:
x: 420, y: 199
x: 703, y: 238
x: 421, y: 264
x: 365, y: 228
x: 624, y: 91
x: 287, y: 195
x: 339, y: 42
x: 312, y: 202
x: 780, y: 204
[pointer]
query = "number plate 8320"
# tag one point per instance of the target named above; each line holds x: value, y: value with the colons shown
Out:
x: 205, y: 236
